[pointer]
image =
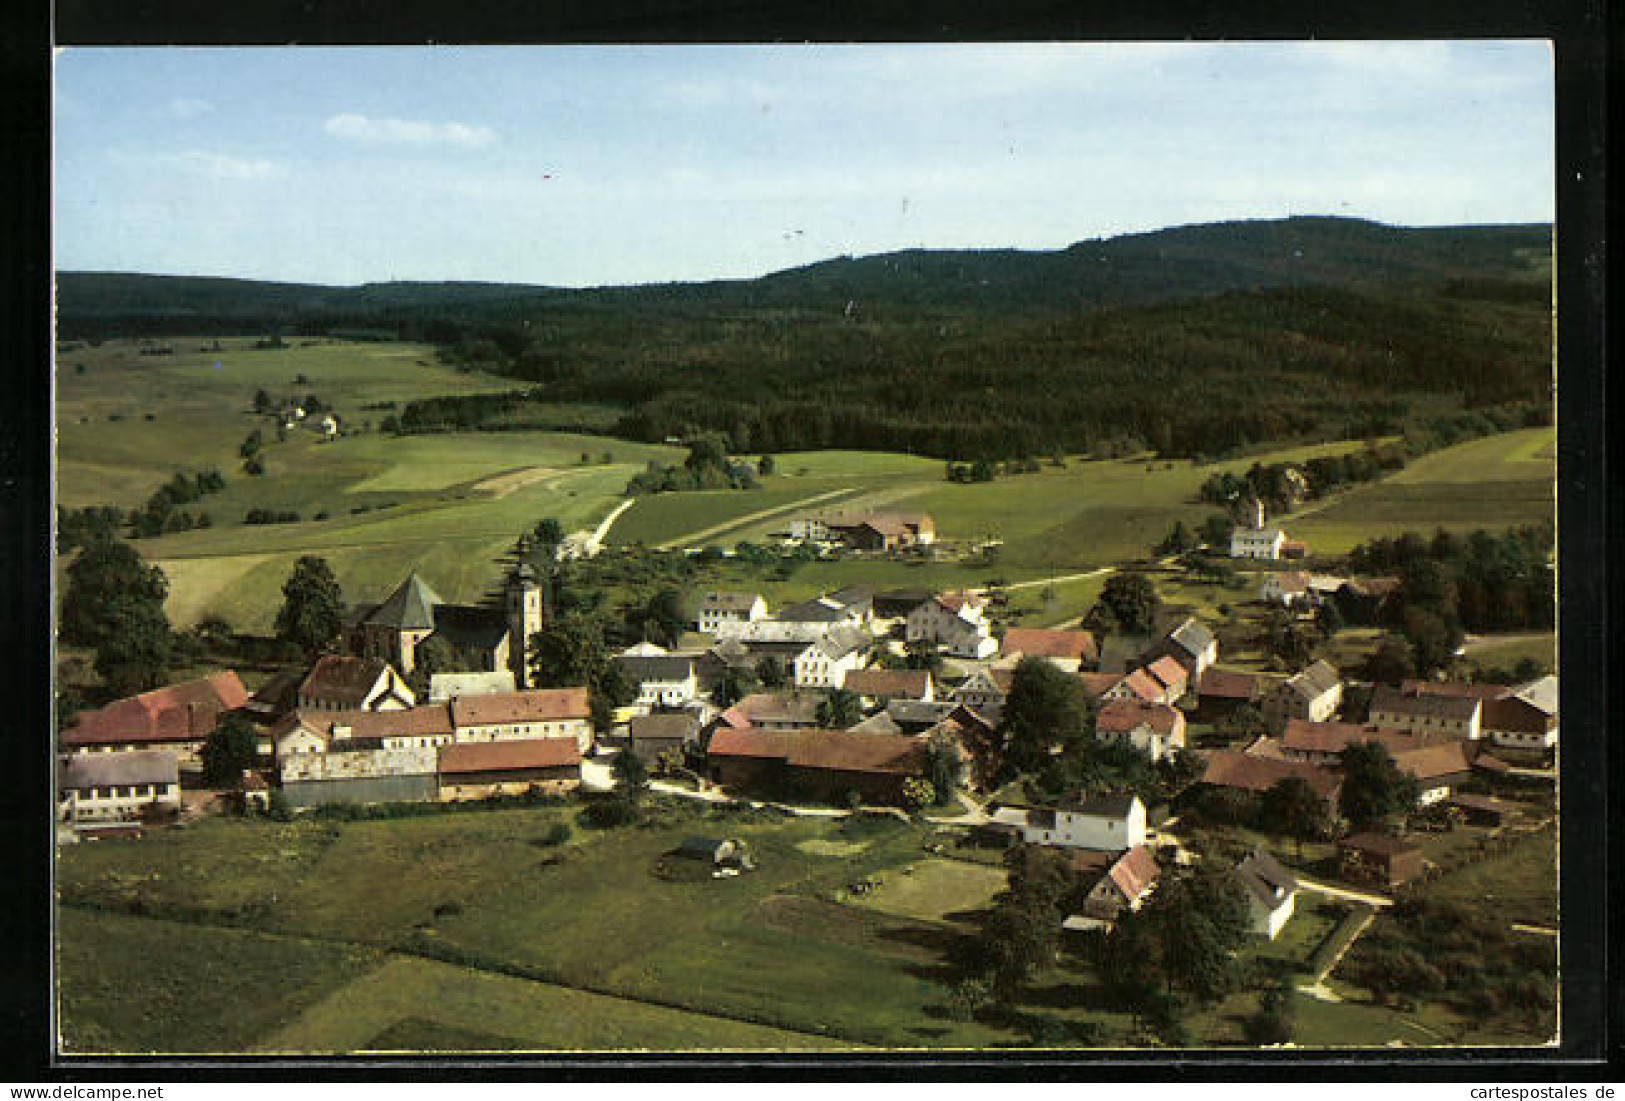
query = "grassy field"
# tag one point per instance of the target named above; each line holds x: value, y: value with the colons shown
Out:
x: 1521, y: 883
x: 935, y: 890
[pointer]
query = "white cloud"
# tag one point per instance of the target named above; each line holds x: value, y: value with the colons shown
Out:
x: 360, y: 128
x: 222, y: 167
x: 189, y: 108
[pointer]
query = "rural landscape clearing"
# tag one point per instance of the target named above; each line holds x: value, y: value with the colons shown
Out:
x: 1045, y: 614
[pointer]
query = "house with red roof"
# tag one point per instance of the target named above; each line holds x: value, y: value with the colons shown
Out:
x: 1068, y: 651
x: 1155, y: 729
x: 179, y: 718
x: 481, y: 770
x: 339, y: 683
x: 956, y: 621
x: 1124, y: 886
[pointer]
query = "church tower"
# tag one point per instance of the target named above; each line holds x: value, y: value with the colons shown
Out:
x: 522, y: 602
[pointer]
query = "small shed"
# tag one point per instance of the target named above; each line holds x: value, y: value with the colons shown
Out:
x: 1380, y: 858
x: 708, y: 850
x: 1484, y: 810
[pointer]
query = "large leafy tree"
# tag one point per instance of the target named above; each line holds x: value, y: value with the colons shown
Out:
x: 1291, y: 808
x: 107, y: 571
x: 231, y: 748
x: 312, y: 615
x: 1020, y: 933
x: 1375, y: 789
x: 1128, y: 602
x: 1045, y: 707
x: 840, y: 709
x: 664, y: 617
x: 136, y: 651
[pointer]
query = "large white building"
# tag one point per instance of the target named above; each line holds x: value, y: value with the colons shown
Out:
x: 96, y: 788
x: 1109, y: 823
x: 957, y: 622
x: 719, y: 608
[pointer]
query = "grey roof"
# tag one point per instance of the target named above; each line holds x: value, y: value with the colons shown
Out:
x: 1314, y: 681
x: 730, y: 652
x: 408, y: 608
x: 141, y: 766
x: 920, y: 712
x: 729, y: 602
x: 1462, y: 708
x: 1192, y: 636
x: 878, y: 723
x: 1541, y: 693
x: 444, y: 686
x: 1264, y: 876
x: 843, y: 640
x: 662, y: 726
x: 703, y: 848
x: 664, y: 667
x: 820, y: 609
x: 470, y: 626
x: 1115, y: 805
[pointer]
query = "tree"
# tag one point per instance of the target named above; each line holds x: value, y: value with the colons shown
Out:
x: 230, y: 748
x: 434, y: 655
x: 1245, y: 720
x: 1128, y: 602
x: 840, y: 709
x: 944, y: 766
x: 1433, y: 638
x: 770, y: 673
x: 312, y: 615
x: 1329, y: 619
x: 107, y: 571
x: 764, y: 466
x: 1391, y: 662
x: 1020, y: 933
x: 631, y: 777
x: 1273, y: 1025
x: 134, y: 654
x: 734, y: 686
x: 1291, y: 808
x: 548, y: 535
x: 1201, y: 918
x: 1045, y: 707
x: 1374, y: 788
x: 917, y: 793
x: 664, y: 618
x: 570, y: 650
x: 920, y: 654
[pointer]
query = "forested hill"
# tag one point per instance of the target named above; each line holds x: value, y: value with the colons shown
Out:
x: 1188, y: 261
x: 1195, y: 340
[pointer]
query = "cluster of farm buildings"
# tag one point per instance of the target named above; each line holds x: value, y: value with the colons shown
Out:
x: 348, y: 729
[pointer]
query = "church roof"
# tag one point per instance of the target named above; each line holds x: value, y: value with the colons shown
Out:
x: 409, y: 608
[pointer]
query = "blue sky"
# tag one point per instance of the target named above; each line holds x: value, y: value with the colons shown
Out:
x: 578, y: 166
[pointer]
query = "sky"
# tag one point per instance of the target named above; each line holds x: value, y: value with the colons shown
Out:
x: 583, y: 166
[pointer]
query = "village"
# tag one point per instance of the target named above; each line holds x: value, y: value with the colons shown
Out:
x: 1124, y: 751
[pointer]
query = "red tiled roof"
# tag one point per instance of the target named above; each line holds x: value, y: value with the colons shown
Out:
x: 426, y: 720
x: 1096, y: 685
x: 1045, y: 643
x: 1134, y: 872
x: 1454, y: 688
x: 518, y: 753
x: 1514, y: 715
x: 1312, y: 737
x: 1435, y: 761
x: 1144, y: 685
x: 535, y: 705
x: 1170, y: 674
x: 833, y: 750
x: 1228, y: 685
x: 177, y: 713
x: 1232, y: 769
x: 1122, y: 716
x: 956, y: 600
x: 1378, y: 844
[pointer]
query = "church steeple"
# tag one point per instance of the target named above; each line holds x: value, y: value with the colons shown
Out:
x: 522, y: 602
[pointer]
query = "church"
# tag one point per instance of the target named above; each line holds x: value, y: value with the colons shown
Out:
x: 497, y: 633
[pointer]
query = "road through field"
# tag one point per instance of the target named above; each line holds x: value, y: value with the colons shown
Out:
x: 751, y: 518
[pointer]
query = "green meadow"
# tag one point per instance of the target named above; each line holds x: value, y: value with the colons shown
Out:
x: 377, y: 506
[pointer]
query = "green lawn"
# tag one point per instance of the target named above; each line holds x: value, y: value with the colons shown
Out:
x: 132, y: 984
x: 934, y: 890
x: 1522, y: 883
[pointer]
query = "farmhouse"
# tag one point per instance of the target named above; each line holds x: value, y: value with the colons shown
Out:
x: 985, y: 691
x: 1519, y: 722
x: 1323, y: 743
x: 955, y: 621
x: 1485, y: 810
x: 880, y: 686
x: 866, y: 531
x: 1126, y: 884
x: 1171, y: 678
x: 1108, y: 822
x: 178, y: 718
x: 1138, y: 685
x: 664, y: 679
x: 1271, y: 892
x: 826, y: 663
x: 1312, y: 694
x: 117, y: 787
x: 480, y: 770
x: 1441, y: 769
x: 895, y: 604
x: 1192, y: 646
x: 1457, y: 716
x: 338, y: 683
x: 1154, y: 729
x: 536, y: 713
x: 1380, y: 859
x: 1285, y: 588
x: 854, y: 605
x: 448, y: 686
x: 819, y: 764
x: 498, y: 633
x: 914, y: 716
x: 1221, y: 692
x: 718, y: 608
x: 1066, y: 650
x: 301, y: 734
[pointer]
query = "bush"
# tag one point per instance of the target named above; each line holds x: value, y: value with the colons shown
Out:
x: 557, y: 834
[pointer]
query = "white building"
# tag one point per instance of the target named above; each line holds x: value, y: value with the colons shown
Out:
x: 718, y: 608
x: 826, y: 662
x: 1261, y: 543
x: 1110, y: 823
x: 664, y: 679
x: 117, y: 787
x: 1271, y: 892
x: 956, y: 621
